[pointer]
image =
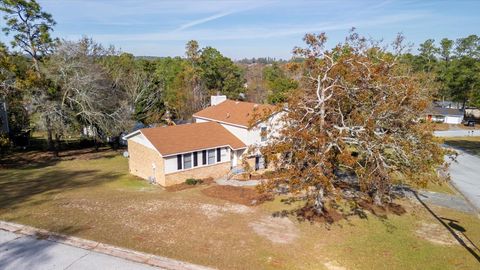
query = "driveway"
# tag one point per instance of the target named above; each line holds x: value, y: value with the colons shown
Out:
x: 27, y: 252
x: 465, y: 175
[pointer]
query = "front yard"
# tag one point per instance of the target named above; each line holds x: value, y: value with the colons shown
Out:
x: 93, y: 196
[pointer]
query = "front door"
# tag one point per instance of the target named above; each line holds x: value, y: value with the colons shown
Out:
x: 259, y: 163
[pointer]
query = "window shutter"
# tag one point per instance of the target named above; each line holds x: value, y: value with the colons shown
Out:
x: 204, y: 157
x: 219, y: 154
x: 179, y: 162
x: 195, y: 159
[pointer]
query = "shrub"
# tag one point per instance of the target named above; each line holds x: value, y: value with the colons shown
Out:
x: 5, y: 144
x: 192, y: 181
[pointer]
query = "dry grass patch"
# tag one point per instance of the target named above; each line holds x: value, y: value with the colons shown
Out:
x: 241, y: 195
x: 97, y: 199
x: 435, y: 233
x: 279, y: 230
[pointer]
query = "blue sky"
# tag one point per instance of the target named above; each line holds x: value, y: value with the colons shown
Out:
x: 255, y: 28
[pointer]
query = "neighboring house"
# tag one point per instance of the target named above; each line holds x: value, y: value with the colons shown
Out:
x: 449, y: 104
x: 216, y: 143
x: 471, y: 112
x: 445, y: 115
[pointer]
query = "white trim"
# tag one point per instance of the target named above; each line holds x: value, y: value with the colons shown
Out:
x: 201, y: 149
x: 218, y: 121
x: 235, y: 125
x: 136, y: 133
x: 198, y: 167
x: 129, y: 135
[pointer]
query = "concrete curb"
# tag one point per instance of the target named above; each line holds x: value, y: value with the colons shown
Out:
x: 127, y: 254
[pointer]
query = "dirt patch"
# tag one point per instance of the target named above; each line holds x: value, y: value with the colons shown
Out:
x: 382, y: 211
x: 214, y: 211
x: 436, y: 234
x: 280, y: 230
x: 184, y: 186
x: 308, y: 213
x: 334, y: 265
x: 241, y: 195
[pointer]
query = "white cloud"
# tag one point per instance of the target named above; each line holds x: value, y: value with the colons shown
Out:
x: 204, y: 20
x: 257, y: 32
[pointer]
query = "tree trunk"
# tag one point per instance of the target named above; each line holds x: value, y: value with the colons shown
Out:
x: 95, y: 142
x: 49, y: 133
x: 36, y: 67
x: 319, y: 203
x: 377, y: 198
x: 56, y: 148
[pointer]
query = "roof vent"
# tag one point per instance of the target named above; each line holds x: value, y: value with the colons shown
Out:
x: 228, y: 115
x: 236, y: 102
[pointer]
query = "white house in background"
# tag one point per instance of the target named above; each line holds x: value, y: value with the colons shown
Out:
x: 216, y: 143
x: 445, y: 115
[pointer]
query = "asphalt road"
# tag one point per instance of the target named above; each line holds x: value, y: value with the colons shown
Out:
x: 465, y: 175
x: 20, y: 252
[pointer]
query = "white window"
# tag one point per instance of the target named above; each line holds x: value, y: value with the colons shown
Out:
x: 187, y: 161
x: 263, y: 134
x: 211, y: 156
x: 224, y: 154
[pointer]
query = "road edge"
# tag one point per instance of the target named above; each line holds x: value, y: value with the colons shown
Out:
x: 123, y: 253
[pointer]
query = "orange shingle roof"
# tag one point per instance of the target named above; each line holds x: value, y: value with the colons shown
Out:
x: 190, y: 137
x: 234, y: 112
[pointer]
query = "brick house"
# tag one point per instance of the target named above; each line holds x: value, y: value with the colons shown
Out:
x: 210, y: 147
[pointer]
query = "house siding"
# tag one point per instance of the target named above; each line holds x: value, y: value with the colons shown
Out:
x: 214, y: 171
x: 141, y: 162
x: 251, y: 136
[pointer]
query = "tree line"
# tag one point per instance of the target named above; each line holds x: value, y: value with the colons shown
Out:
x: 455, y: 64
x: 62, y: 86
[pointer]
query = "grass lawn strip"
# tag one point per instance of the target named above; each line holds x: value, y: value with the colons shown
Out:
x: 96, y: 199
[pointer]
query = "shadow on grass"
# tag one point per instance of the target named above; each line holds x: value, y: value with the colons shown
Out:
x: 34, y: 159
x: 471, y: 147
x: 451, y: 226
x: 17, y: 190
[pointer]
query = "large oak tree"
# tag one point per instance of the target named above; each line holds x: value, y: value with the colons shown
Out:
x: 357, y: 112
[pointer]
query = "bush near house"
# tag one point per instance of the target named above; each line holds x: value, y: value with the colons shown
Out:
x: 192, y: 181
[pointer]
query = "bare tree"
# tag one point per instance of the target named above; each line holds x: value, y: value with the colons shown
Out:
x: 82, y: 93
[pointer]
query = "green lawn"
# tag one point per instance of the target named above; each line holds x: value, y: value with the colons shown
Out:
x: 468, y: 144
x: 93, y: 196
